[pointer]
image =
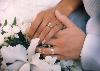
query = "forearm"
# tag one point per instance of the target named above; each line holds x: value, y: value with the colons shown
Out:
x: 68, y: 6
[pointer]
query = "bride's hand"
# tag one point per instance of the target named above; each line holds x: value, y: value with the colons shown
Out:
x: 43, y: 24
x: 68, y: 42
x: 46, y: 24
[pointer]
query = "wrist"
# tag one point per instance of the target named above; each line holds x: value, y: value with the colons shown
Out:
x: 66, y: 7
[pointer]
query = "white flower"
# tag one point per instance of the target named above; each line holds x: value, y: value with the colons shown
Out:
x: 27, y: 59
x: 0, y: 29
x: 25, y: 67
x: 55, y: 68
x: 6, y: 35
x: 1, y: 39
x: 15, y: 66
x: 11, y: 54
x: 7, y: 28
x: 25, y: 27
x: 32, y: 47
x: 48, y: 63
x: 50, y: 60
x: 40, y: 64
x: 16, y: 29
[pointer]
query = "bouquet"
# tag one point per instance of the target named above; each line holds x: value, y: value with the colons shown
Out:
x: 18, y: 54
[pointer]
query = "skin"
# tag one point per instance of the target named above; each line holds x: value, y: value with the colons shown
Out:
x: 62, y: 40
x: 39, y: 28
x: 68, y: 42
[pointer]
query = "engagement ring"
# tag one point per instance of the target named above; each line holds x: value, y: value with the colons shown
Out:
x: 50, y: 25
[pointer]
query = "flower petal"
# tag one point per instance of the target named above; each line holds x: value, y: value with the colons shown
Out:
x: 1, y: 39
x: 7, y: 28
x: 15, y: 66
x: 55, y: 68
x: 11, y: 54
x: 40, y: 64
x: 50, y: 60
x: 34, y: 68
x: 16, y: 29
x: 25, y: 67
x: 32, y: 47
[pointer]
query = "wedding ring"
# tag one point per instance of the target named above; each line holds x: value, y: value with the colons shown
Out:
x: 52, y: 50
x: 50, y: 25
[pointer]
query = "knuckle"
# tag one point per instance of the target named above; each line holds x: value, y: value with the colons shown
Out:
x: 36, y: 35
x: 39, y: 31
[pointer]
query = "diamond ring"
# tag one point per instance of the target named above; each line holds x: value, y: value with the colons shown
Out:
x: 50, y: 25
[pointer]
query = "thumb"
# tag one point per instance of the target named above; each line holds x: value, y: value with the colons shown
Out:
x: 65, y: 21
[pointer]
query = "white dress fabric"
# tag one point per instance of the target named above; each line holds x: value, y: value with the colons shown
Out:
x: 24, y: 10
x: 92, y: 7
x: 90, y: 55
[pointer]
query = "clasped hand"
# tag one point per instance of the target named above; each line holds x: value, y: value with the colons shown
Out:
x: 67, y: 42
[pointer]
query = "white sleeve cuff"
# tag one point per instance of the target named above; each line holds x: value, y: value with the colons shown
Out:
x: 90, y: 54
x: 93, y: 25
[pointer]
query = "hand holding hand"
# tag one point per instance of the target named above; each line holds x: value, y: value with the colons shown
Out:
x: 45, y: 23
x: 68, y: 42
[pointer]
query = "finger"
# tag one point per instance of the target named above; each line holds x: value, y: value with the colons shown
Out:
x: 65, y: 21
x: 47, y: 18
x: 62, y: 33
x: 53, y: 41
x: 52, y: 32
x: 43, y: 33
x: 42, y: 26
x: 35, y: 25
x: 40, y: 29
x: 46, y: 30
x: 48, y: 51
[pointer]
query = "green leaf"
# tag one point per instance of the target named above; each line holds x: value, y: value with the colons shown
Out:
x: 13, y: 41
x: 14, y: 22
x: 5, y: 22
